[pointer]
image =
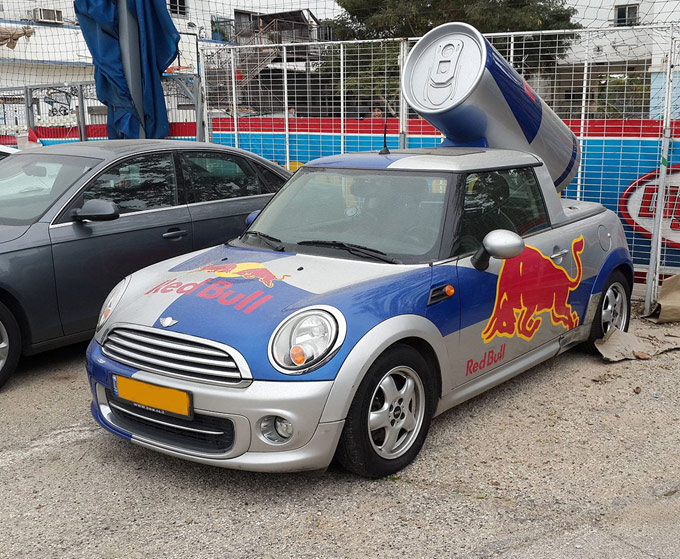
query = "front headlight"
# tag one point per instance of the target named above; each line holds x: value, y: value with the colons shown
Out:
x: 111, y: 301
x: 306, y: 339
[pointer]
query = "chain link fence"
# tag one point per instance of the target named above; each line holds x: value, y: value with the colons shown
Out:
x: 295, y: 102
x: 285, y: 95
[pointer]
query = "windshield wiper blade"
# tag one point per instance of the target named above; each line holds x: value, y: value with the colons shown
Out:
x: 358, y: 250
x: 270, y: 241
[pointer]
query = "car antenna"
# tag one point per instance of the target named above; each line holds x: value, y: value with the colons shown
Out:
x: 385, y: 150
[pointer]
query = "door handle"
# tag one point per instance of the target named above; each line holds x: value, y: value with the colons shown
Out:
x: 175, y: 234
x: 559, y: 254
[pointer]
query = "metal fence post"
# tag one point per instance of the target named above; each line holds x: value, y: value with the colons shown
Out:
x: 655, y: 250
x: 403, y: 105
x: 198, y: 105
x: 234, y: 96
x: 285, y: 108
x: 30, y: 117
x: 584, y: 105
x: 82, y: 123
x: 342, y: 98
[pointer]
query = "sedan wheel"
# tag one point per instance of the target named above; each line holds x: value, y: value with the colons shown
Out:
x: 613, y: 311
x: 397, y: 411
x: 10, y: 343
x: 614, y: 308
x: 390, y: 415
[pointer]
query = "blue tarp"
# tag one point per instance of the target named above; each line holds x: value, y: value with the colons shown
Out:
x: 158, y: 40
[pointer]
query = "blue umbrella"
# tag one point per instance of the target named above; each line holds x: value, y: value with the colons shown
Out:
x: 158, y: 40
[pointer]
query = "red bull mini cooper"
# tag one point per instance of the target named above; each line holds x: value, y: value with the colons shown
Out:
x: 373, y: 293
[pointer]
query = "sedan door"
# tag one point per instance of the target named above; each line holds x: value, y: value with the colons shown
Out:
x: 91, y: 257
x: 223, y: 189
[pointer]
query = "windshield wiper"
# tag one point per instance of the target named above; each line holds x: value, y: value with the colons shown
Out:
x: 357, y: 250
x: 270, y: 241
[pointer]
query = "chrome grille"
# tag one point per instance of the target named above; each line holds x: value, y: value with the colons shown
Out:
x: 172, y: 354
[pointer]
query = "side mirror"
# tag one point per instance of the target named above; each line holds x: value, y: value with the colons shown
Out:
x: 96, y: 210
x: 500, y: 243
x: 251, y: 217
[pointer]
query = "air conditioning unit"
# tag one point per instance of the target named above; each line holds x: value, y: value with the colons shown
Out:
x: 45, y: 15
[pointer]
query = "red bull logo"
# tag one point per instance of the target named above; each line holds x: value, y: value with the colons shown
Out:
x: 245, y: 270
x: 529, y: 285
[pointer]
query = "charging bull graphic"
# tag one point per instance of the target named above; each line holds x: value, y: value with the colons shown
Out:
x: 245, y: 270
x: 529, y: 285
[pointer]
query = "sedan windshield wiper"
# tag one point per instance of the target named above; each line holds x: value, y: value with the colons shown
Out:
x: 270, y: 241
x: 357, y: 250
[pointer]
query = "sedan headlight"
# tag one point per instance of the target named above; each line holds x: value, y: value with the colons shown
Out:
x: 306, y: 340
x: 111, y: 301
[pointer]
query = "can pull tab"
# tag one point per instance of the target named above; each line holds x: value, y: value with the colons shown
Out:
x: 441, y: 84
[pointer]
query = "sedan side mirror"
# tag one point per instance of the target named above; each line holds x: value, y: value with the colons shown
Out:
x: 251, y: 217
x: 96, y: 210
x: 500, y: 243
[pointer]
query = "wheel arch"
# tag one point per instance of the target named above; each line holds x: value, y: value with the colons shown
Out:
x: 412, y: 330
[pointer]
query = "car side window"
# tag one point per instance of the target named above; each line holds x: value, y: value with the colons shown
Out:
x: 147, y: 182
x: 216, y: 176
x: 509, y: 199
x: 274, y: 181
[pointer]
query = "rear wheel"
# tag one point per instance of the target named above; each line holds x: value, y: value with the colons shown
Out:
x: 613, y: 312
x: 390, y: 416
x: 10, y: 343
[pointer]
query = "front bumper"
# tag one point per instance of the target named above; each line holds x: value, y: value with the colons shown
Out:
x: 240, y: 408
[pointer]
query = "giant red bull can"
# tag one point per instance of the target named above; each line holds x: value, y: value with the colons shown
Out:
x: 456, y: 80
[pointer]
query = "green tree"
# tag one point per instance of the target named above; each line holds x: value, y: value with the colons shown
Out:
x: 413, y: 18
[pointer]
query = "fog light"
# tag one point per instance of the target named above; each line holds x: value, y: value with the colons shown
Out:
x: 284, y: 428
x: 276, y: 429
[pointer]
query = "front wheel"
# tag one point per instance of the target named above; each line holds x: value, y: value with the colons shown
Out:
x: 390, y: 415
x: 613, y: 312
x: 10, y: 343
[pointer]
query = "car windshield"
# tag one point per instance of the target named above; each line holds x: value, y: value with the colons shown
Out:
x: 388, y: 215
x: 31, y: 182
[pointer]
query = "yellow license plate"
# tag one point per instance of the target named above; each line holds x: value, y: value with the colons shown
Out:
x: 152, y: 397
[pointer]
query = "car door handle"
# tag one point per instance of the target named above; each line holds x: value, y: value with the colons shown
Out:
x: 175, y: 234
x: 559, y: 253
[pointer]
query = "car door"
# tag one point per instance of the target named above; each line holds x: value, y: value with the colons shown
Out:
x: 223, y: 189
x: 90, y: 257
x: 515, y: 305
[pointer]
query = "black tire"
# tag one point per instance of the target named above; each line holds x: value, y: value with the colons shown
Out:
x: 613, y: 310
x: 10, y: 344
x: 406, y: 414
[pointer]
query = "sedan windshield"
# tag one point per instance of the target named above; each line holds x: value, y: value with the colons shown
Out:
x: 31, y: 182
x: 383, y: 215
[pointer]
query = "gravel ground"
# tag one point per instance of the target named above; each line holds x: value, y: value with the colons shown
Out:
x: 567, y: 460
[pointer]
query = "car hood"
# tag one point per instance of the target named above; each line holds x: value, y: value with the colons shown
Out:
x: 239, y: 296
x: 11, y: 232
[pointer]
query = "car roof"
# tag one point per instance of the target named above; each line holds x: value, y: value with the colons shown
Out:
x: 114, y: 149
x: 432, y: 159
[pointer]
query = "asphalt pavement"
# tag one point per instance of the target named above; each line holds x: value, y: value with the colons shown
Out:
x: 568, y: 460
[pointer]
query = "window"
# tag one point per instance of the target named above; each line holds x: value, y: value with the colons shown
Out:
x: 626, y: 16
x: 143, y: 183
x: 217, y: 177
x: 178, y: 7
x: 509, y: 199
x: 274, y: 181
